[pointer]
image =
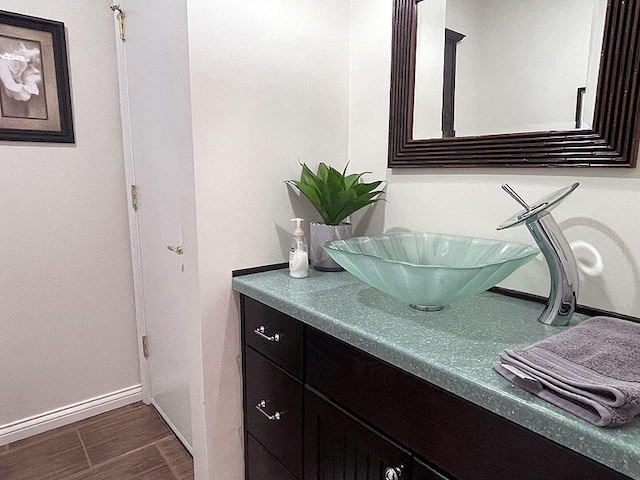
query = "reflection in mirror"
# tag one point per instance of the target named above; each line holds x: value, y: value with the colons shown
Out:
x: 502, y: 66
x: 539, y: 129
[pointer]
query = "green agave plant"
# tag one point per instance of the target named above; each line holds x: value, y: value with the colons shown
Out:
x: 336, y: 195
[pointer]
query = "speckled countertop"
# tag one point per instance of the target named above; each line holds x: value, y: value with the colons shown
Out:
x: 454, y: 349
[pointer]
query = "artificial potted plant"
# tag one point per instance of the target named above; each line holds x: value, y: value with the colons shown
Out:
x: 335, y: 196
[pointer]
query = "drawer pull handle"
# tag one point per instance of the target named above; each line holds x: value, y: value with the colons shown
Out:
x: 273, y: 338
x: 261, y: 405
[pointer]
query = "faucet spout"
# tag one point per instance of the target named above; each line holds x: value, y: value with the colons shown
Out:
x: 563, y: 269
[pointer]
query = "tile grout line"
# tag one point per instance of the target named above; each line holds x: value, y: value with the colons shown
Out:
x: 84, y: 448
x: 166, y: 461
x: 120, y: 457
x: 51, y: 434
x: 116, y: 420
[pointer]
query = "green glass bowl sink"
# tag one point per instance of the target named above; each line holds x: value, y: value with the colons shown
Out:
x: 429, y: 270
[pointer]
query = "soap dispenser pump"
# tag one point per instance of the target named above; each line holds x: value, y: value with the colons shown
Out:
x: 298, y: 253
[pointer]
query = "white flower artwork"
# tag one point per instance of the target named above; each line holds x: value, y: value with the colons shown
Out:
x: 21, y: 79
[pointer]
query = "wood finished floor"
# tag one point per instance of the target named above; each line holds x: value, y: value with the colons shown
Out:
x: 130, y: 443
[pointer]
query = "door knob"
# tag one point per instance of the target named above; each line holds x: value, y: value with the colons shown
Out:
x: 178, y: 249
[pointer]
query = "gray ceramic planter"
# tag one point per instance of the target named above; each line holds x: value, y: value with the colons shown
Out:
x: 320, y: 234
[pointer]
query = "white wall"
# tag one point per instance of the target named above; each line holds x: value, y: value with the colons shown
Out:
x: 269, y: 83
x: 67, y: 328
x: 601, y: 212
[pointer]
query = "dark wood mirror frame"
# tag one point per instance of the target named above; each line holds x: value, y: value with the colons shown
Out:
x: 612, y: 143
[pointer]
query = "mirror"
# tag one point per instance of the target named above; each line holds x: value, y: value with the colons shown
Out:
x: 525, y: 83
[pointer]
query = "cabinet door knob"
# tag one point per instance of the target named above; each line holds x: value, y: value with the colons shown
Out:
x: 260, y: 332
x: 393, y: 473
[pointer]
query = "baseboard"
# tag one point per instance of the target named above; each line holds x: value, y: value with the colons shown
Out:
x: 59, y: 417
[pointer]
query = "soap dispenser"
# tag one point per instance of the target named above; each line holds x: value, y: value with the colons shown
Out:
x: 298, y: 253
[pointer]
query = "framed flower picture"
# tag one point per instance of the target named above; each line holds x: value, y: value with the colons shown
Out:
x: 35, y: 98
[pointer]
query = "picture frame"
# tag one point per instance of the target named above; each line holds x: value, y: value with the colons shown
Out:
x: 35, y: 95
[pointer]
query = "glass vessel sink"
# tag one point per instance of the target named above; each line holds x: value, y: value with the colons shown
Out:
x: 429, y: 270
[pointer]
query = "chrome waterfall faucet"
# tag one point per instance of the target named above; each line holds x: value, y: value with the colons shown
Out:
x: 556, y: 250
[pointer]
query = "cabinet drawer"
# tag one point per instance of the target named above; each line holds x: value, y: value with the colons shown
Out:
x: 274, y: 334
x: 273, y: 406
x: 261, y: 465
x: 458, y: 437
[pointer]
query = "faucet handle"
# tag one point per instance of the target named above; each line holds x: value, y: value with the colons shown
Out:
x: 534, y: 212
x: 515, y: 196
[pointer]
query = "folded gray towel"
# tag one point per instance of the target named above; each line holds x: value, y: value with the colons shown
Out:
x: 591, y: 370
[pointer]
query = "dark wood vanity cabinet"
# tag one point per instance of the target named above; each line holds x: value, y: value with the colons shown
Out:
x: 319, y: 409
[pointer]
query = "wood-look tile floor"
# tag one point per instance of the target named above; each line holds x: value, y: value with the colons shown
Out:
x: 130, y: 443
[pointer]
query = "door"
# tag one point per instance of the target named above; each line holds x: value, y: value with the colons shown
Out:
x: 154, y: 82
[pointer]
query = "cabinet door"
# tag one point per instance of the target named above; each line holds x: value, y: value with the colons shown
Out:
x: 338, y: 446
